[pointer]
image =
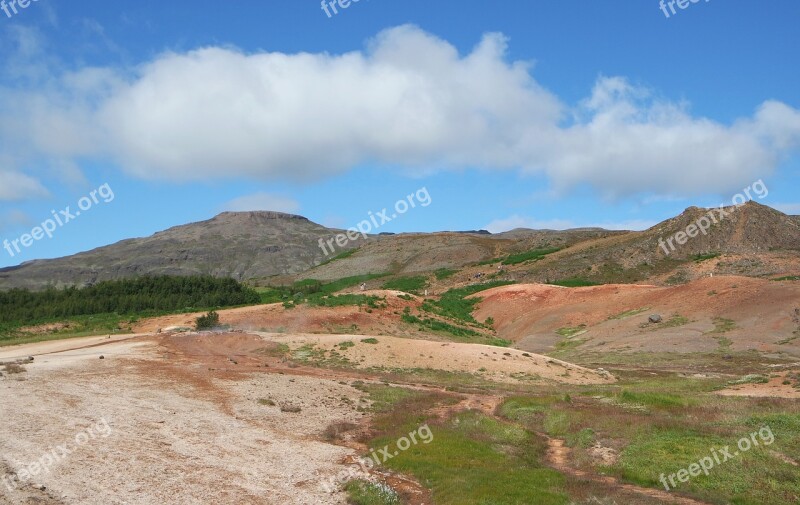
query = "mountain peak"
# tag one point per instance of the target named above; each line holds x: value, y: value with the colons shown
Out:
x: 257, y: 214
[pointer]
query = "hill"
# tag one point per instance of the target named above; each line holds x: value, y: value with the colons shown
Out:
x: 272, y: 248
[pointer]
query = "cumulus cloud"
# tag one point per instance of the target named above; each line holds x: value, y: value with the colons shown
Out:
x: 263, y: 201
x: 408, y: 99
x: 18, y: 186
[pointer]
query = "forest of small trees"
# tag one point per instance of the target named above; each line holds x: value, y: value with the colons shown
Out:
x: 128, y: 296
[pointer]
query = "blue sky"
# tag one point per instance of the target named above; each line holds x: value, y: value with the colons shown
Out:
x: 511, y: 113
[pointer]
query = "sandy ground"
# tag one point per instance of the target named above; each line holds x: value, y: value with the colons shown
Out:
x: 775, y: 388
x: 493, y: 363
x: 178, y: 433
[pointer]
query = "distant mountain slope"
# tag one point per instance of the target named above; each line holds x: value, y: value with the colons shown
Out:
x: 751, y: 230
x: 285, y: 247
x: 242, y: 245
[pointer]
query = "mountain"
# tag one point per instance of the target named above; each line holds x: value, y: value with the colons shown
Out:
x: 242, y: 245
x: 752, y: 240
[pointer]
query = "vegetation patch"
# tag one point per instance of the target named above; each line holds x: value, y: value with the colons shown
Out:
x: 413, y: 285
x: 699, y: 258
x: 476, y: 459
x: 340, y: 256
x: 444, y: 273
x: 207, y: 322
x: 750, y: 379
x: 362, y: 492
x: 574, y: 282
x: 534, y: 255
x: 453, y: 304
x: 629, y: 313
x: 371, y: 301
x: 303, y: 289
x: 571, y: 331
x: 722, y: 325
x: 111, y: 306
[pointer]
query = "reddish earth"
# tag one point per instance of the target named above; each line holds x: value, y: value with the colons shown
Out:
x: 766, y: 315
x: 274, y: 318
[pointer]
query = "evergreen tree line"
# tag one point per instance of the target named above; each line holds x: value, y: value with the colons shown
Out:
x: 127, y: 296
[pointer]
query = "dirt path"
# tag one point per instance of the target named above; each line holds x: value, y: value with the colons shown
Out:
x: 558, y: 457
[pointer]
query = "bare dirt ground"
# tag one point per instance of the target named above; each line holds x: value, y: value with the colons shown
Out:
x: 779, y: 386
x: 179, y: 433
x: 764, y: 316
x: 205, y: 418
x: 493, y: 363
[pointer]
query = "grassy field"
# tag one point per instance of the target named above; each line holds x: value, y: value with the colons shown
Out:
x: 652, y: 425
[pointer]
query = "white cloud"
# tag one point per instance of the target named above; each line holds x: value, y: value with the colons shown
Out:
x: 263, y: 201
x: 517, y: 221
x: 14, y: 219
x: 18, y: 186
x: 408, y: 100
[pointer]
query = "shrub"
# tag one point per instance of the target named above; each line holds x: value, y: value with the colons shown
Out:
x: 208, y: 321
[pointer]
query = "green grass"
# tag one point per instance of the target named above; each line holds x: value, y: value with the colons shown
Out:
x: 340, y: 256
x: 568, y: 344
x: 413, y: 285
x: 476, y: 459
x: 661, y: 424
x: 444, y: 273
x: 751, y: 379
x: 369, y: 340
x: 656, y: 400
x: 630, y: 313
x: 362, y: 492
x: 370, y: 301
x: 305, y: 288
x: 534, y: 255
x: 674, y: 321
x: 698, y: 258
x: 384, y: 398
x: 453, y: 304
x: 79, y: 326
x: 574, y: 282
x: 457, y: 333
x: 722, y: 325
x: 788, y: 278
x: 571, y: 331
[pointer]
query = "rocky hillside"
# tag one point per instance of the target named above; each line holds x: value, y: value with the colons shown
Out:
x: 271, y: 247
x: 242, y: 245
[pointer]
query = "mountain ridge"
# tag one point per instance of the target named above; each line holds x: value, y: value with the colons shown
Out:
x: 263, y: 245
